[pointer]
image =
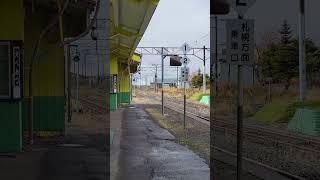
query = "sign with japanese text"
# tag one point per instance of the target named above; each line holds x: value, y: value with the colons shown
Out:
x: 16, y: 72
x: 114, y: 83
x: 240, y: 41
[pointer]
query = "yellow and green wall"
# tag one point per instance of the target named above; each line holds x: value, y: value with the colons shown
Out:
x: 11, y: 28
x: 120, y: 68
x: 113, y: 71
x: 47, y: 75
x: 19, y: 22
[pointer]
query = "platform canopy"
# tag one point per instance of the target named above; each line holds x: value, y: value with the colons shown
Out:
x: 74, y: 17
x: 129, y: 20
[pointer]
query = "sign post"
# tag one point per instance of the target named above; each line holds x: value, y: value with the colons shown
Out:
x: 184, y: 77
x: 302, y: 52
x: 76, y: 59
x: 240, y: 52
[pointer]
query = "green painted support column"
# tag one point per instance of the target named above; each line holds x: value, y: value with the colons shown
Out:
x: 10, y: 129
x: 113, y: 101
x: 125, y: 97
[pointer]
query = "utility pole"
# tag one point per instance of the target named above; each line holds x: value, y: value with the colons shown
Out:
x: 162, y: 82
x: 177, y: 76
x: 156, y: 80
x: 302, y: 55
x: 204, y: 70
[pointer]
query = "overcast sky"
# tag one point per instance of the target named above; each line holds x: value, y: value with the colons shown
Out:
x: 179, y: 21
x: 175, y: 22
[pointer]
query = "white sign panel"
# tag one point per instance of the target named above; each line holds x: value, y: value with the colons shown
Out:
x: 240, y: 41
x: 242, y: 6
x: 16, y: 81
x: 184, y: 76
x: 185, y: 60
x: 185, y: 48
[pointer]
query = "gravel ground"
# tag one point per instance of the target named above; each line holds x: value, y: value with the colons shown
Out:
x: 196, y: 137
x: 302, y: 164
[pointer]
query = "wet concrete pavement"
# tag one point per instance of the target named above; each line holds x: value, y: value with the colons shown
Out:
x: 80, y: 155
x: 150, y: 152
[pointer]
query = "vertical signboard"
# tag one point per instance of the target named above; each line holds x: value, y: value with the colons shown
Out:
x: 240, y: 41
x: 184, y: 74
x: 16, y: 72
x: 114, y: 83
x: 11, y: 70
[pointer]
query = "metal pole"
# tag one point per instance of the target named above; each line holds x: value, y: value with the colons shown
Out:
x: 82, y: 68
x: 216, y: 57
x: 91, y: 77
x: 69, y: 83
x: 184, y: 105
x: 269, y: 94
x: 204, y: 70
x: 239, y: 122
x: 302, y: 56
x: 156, y: 80
x: 140, y: 80
x: 162, y: 82
x: 85, y: 65
x: 98, y: 73
x: 239, y: 119
x: 78, y: 88
x: 177, y: 77
x: 131, y: 89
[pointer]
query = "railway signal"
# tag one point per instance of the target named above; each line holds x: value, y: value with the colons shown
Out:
x: 175, y: 60
x: 184, y: 76
x: 172, y: 52
x: 219, y: 7
x: 242, y: 6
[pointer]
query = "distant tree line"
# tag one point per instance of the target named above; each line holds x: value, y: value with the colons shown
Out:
x: 280, y: 60
x: 197, y: 80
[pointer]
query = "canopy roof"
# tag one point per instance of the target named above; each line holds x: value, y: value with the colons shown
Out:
x: 129, y: 20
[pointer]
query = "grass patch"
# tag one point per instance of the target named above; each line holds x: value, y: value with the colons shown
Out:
x: 282, y: 111
x: 197, y: 96
x: 274, y: 112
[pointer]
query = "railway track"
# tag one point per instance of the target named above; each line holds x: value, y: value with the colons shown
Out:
x: 251, y: 132
x: 93, y: 105
x: 255, y: 133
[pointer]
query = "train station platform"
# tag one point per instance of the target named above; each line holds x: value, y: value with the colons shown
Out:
x: 141, y: 149
x: 79, y: 155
